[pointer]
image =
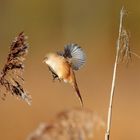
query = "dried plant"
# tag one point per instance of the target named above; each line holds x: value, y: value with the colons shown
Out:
x: 74, y: 124
x: 123, y: 54
x: 11, y: 78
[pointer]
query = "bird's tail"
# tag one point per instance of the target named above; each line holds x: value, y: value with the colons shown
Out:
x: 78, y: 93
x: 75, y: 86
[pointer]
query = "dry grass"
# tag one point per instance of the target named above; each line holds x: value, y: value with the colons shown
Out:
x: 74, y: 124
x: 11, y: 76
x: 123, y: 54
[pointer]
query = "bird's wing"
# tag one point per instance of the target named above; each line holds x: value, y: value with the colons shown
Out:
x: 11, y: 79
x: 60, y: 53
x: 75, y: 54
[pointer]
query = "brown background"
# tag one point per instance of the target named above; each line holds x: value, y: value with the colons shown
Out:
x: 50, y: 24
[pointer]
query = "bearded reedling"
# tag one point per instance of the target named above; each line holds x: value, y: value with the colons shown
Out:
x: 63, y: 64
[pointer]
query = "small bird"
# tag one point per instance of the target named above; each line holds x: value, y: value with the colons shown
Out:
x: 63, y: 64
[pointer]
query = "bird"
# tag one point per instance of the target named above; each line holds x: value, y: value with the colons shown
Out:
x: 63, y: 65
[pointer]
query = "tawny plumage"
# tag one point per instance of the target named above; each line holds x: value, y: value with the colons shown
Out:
x: 63, y: 64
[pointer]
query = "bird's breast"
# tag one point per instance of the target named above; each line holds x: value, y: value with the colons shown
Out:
x: 53, y: 64
x: 61, y: 67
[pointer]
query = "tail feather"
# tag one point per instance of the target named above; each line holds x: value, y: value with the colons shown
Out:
x: 78, y: 93
x: 75, y: 86
x: 72, y: 81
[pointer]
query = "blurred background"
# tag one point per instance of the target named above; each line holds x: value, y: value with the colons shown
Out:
x: 49, y: 25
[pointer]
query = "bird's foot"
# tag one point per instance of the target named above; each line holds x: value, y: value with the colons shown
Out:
x: 55, y: 77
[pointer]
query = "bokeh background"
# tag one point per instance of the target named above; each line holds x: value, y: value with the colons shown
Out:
x: 49, y: 25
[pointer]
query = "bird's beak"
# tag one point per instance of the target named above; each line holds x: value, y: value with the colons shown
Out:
x: 44, y: 60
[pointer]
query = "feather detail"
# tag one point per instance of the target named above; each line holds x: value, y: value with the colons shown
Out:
x: 75, y: 55
x: 73, y: 82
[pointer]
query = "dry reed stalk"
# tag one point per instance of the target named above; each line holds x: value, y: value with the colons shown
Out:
x: 123, y: 54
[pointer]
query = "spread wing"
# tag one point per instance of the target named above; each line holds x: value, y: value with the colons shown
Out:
x: 75, y: 54
x: 11, y: 78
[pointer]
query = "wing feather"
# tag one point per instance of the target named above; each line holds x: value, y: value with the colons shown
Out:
x: 75, y: 54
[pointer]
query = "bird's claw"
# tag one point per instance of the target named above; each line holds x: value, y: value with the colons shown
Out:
x: 55, y: 77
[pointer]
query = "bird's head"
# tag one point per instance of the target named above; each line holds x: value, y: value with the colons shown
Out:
x: 49, y: 57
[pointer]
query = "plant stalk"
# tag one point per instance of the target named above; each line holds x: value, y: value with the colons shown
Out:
x: 109, y: 119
